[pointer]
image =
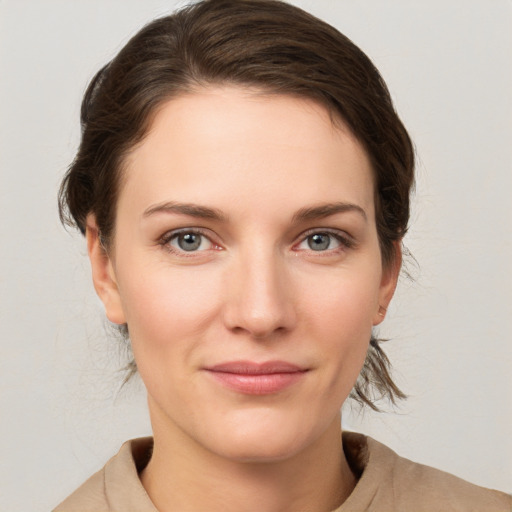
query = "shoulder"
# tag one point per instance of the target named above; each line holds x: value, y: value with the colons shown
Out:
x: 89, y: 496
x: 392, y: 482
x: 117, y: 485
x: 413, y: 482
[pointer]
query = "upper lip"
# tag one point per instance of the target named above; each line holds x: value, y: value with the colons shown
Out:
x: 253, y: 368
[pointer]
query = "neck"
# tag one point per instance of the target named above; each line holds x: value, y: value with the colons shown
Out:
x: 186, y: 477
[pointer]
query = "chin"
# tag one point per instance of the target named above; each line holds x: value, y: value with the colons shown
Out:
x: 261, y: 440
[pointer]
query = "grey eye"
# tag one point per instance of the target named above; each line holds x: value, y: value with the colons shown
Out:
x: 319, y: 241
x: 189, y: 241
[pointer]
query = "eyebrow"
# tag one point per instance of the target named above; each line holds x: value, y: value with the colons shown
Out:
x: 192, y: 210
x: 326, y: 210
x: 204, y: 212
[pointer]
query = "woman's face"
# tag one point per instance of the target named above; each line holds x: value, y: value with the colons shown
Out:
x: 246, y: 264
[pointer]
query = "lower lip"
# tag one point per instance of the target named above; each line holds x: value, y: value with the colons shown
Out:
x: 257, y: 384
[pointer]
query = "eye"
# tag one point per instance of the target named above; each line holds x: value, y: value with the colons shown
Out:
x: 321, y: 241
x: 188, y: 241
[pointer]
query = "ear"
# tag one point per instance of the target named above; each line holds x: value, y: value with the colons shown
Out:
x: 388, y: 284
x: 103, y: 275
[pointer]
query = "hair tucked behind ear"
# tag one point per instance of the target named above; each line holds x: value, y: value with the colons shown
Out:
x: 375, y: 382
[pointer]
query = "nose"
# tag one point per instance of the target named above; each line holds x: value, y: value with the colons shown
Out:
x: 259, y: 296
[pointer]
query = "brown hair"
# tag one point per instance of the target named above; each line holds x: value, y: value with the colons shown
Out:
x: 274, y: 47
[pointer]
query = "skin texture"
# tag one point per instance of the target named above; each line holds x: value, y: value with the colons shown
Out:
x: 254, y: 290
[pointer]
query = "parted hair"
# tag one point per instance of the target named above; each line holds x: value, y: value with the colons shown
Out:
x: 268, y: 45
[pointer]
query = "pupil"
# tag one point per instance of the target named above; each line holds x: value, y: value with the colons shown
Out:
x: 189, y: 241
x: 319, y: 242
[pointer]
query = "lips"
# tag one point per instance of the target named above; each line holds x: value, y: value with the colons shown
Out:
x: 256, y: 378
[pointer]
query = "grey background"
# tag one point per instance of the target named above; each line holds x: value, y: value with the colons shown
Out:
x: 447, y: 64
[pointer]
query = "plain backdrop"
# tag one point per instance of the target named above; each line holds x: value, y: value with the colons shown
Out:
x: 447, y: 63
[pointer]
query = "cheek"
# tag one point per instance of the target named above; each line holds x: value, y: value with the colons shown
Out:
x: 340, y: 319
x: 166, y: 312
x: 344, y: 303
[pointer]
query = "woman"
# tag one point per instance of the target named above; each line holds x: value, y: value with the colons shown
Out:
x: 243, y: 184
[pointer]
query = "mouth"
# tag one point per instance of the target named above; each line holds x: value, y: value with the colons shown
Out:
x: 252, y: 378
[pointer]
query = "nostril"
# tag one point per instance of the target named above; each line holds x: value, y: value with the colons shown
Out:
x: 260, y: 328
x: 258, y: 299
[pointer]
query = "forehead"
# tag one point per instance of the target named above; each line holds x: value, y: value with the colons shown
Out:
x: 231, y: 144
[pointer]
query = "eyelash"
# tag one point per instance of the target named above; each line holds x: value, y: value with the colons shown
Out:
x: 346, y: 242
x: 167, y: 238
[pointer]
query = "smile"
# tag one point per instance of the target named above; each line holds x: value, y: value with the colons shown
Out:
x: 257, y: 378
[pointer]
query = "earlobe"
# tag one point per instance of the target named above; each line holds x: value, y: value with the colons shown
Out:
x: 388, y: 284
x: 103, y: 275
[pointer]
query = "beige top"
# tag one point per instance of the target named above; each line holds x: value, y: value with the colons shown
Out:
x: 387, y: 483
